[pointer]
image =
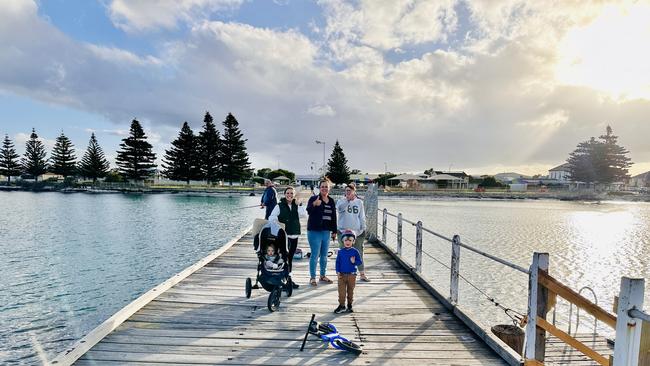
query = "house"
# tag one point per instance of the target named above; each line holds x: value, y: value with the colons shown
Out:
x: 308, y: 180
x: 509, y: 177
x: 407, y: 180
x: 282, y: 180
x: 560, y: 173
x: 449, y: 181
x: 640, y: 181
x: 458, y: 173
x: 423, y: 181
x: 363, y: 179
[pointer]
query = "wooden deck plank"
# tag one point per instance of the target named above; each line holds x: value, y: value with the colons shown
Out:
x: 206, y: 319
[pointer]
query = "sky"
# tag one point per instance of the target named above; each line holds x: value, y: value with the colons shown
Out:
x: 403, y: 85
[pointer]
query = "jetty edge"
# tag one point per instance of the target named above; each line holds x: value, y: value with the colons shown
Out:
x: 79, y: 348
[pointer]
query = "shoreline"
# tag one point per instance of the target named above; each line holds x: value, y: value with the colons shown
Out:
x: 446, y: 194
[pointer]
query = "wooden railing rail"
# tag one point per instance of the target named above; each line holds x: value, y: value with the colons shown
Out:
x: 543, y: 287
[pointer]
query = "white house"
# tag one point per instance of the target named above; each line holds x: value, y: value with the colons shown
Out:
x: 423, y: 181
x: 560, y: 173
x: 509, y: 177
x: 640, y: 180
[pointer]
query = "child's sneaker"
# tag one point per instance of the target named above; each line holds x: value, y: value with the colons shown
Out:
x: 340, y: 309
x: 349, y: 309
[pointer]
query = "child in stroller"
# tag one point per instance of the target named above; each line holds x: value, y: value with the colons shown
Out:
x: 272, y: 261
x: 273, y: 280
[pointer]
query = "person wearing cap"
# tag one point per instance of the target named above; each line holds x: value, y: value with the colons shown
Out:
x: 352, y: 216
x: 347, y: 261
x: 269, y: 198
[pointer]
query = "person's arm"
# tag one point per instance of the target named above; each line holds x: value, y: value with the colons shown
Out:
x: 310, y: 205
x: 358, y: 261
x: 302, y: 211
x: 334, y: 221
x: 362, y: 218
x: 340, y: 205
x: 338, y: 263
x: 273, y: 217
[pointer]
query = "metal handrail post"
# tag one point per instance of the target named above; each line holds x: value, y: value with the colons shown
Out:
x: 455, y: 269
x: 384, y: 221
x: 418, y: 247
x: 399, y: 234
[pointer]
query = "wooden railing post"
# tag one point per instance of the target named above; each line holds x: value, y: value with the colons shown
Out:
x: 384, y: 222
x: 535, y: 347
x: 628, y: 329
x: 418, y: 246
x: 399, y: 234
x: 455, y: 269
x: 371, y: 203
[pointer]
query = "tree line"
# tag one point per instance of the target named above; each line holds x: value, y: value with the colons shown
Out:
x: 210, y: 155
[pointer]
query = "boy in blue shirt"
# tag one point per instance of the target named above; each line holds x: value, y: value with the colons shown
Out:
x: 347, y: 261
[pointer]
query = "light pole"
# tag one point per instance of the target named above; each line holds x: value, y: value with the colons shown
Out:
x: 323, y: 167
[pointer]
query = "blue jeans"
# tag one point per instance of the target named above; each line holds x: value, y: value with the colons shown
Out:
x: 319, y: 242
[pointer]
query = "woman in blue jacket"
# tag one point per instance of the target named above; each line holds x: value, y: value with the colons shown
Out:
x: 321, y: 227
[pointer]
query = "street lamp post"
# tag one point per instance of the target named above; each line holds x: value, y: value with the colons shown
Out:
x: 323, y: 167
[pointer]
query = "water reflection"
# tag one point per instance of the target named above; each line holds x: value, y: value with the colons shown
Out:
x: 68, y: 262
x: 589, y: 245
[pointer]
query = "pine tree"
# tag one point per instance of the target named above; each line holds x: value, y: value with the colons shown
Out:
x: 181, y: 162
x: 210, y: 146
x: 93, y: 164
x: 135, y: 158
x: 235, y: 158
x: 599, y: 161
x: 9, y: 165
x: 337, y: 166
x: 582, y: 166
x: 63, y: 157
x: 34, y: 161
x: 616, y: 164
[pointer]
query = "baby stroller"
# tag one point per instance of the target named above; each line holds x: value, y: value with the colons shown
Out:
x: 272, y: 280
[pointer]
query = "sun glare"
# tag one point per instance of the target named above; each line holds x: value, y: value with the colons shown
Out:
x: 610, y: 54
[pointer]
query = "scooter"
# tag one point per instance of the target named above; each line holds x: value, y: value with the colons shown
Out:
x: 327, y: 332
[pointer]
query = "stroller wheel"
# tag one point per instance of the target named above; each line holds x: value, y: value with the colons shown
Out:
x: 274, y: 299
x: 249, y: 287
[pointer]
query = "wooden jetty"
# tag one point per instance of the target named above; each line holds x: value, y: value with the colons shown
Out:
x: 205, y: 318
x: 202, y: 316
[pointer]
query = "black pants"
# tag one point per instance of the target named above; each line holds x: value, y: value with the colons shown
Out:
x: 293, y: 245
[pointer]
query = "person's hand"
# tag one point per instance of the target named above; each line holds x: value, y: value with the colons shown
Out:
x: 352, y: 260
x: 261, y: 205
x: 317, y: 201
x: 275, y: 266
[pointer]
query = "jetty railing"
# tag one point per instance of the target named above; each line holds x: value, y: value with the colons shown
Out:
x: 452, y: 301
x: 632, y: 346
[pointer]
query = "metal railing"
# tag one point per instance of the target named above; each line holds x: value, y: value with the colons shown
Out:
x: 455, y: 241
x: 628, y: 335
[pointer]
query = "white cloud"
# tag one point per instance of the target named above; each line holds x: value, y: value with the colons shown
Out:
x: 488, y: 103
x: 117, y: 132
x: 21, y: 138
x: 147, y: 15
x: 119, y: 56
x: 321, y: 110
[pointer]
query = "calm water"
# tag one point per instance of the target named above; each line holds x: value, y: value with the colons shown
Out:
x: 69, y: 262
x: 589, y: 244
